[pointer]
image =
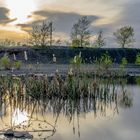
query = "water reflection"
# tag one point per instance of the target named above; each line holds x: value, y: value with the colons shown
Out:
x: 19, y: 117
x: 24, y: 109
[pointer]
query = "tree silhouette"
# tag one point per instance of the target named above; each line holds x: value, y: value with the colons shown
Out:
x: 41, y: 34
x: 125, y: 36
x: 80, y: 33
x: 100, y: 41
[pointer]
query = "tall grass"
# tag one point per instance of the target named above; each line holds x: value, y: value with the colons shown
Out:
x: 67, y: 95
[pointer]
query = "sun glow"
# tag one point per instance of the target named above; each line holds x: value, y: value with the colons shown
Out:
x: 21, y: 9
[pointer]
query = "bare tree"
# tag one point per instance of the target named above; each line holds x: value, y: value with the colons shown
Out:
x: 80, y: 33
x: 34, y: 36
x: 7, y: 43
x: 125, y: 36
x: 100, y: 41
x: 51, y: 30
x: 41, y: 34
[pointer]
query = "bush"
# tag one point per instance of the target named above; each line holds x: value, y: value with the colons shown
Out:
x: 124, y: 62
x: 5, y: 62
x: 137, y: 59
x: 75, y: 43
x: 8, y: 64
x: 17, y: 64
x: 77, y: 60
x: 104, y: 61
x: 76, y: 63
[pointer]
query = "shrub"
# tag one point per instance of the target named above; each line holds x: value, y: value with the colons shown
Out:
x: 17, y: 64
x: 104, y: 61
x: 75, y: 43
x: 5, y: 62
x: 137, y: 80
x: 76, y: 63
x: 137, y: 59
x: 124, y: 62
x: 30, y: 66
x: 77, y: 60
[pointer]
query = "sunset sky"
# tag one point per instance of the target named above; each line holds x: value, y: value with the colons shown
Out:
x: 17, y: 16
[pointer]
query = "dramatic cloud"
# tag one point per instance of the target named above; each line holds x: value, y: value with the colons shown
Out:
x: 4, y: 19
x: 62, y: 21
x: 25, y: 27
x: 106, y: 15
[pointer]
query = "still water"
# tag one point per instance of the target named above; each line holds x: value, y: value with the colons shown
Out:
x: 113, y: 118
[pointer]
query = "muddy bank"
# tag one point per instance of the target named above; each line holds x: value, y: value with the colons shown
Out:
x: 50, y: 69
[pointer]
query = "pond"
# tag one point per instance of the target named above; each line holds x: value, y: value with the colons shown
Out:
x: 110, y: 112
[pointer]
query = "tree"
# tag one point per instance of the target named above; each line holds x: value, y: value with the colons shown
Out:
x: 7, y: 43
x: 51, y: 29
x: 125, y: 36
x: 80, y: 33
x: 41, y: 34
x: 100, y: 41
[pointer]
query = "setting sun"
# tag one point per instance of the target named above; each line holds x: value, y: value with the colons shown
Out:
x: 20, y: 9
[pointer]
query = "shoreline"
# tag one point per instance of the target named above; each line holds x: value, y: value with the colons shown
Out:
x: 62, y: 69
x: 64, y: 54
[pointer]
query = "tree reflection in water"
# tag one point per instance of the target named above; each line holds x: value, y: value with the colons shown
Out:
x: 29, y: 100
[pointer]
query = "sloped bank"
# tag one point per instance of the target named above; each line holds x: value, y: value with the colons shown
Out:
x: 65, y: 54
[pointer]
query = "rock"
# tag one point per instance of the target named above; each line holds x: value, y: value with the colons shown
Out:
x: 28, y: 136
x: 9, y: 133
x: 19, y: 134
x: 24, y: 135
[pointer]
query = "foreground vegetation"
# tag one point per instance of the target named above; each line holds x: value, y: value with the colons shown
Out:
x: 103, y: 62
x: 71, y: 96
x: 71, y: 86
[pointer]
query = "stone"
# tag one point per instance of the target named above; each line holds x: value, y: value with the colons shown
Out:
x: 28, y: 136
x: 19, y: 134
x: 24, y: 135
x: 9, y: 133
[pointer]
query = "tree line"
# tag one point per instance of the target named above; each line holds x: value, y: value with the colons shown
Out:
x: 42, y: 35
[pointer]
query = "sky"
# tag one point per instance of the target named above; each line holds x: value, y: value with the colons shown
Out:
x: 18, y: 16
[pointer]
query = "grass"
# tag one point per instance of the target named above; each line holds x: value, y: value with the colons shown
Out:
x: 67, y: 87
x: 5, y: 62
